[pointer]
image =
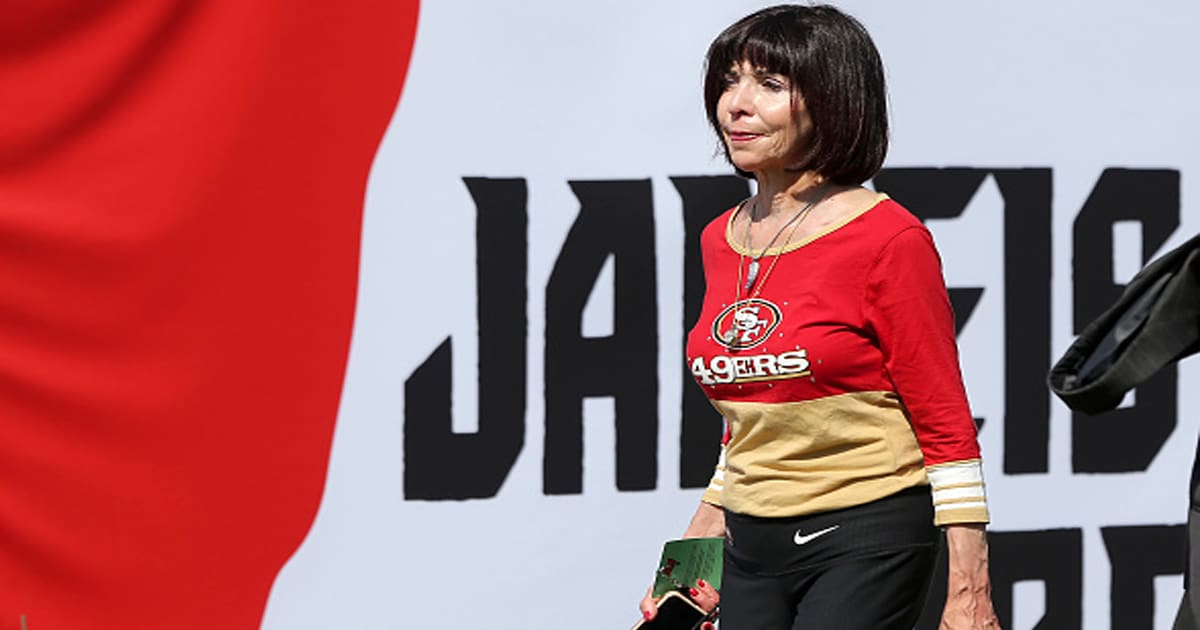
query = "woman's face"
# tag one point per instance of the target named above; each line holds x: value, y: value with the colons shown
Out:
x: 760, y: 126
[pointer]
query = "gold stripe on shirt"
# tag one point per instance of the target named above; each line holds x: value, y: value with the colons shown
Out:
x: 974, y: 499
x: 788, y: 459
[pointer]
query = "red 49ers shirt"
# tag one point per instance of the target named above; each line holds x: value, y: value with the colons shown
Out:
x: 837, y: 372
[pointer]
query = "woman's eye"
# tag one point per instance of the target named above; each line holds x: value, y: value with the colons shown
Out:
x: 775, y: 85
x: 730, y: 80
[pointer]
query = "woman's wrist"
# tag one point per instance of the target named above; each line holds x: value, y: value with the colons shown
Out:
x: 968, y: 553
x: 708, y: 521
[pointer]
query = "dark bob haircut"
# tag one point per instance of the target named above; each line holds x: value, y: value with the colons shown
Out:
x: 833, y: 67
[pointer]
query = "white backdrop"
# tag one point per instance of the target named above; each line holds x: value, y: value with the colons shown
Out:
x: 555, y: 92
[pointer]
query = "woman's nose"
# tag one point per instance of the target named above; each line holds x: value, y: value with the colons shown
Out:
x: 741, y: 99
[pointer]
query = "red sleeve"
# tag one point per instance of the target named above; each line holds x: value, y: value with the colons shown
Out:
x: 909, y: 311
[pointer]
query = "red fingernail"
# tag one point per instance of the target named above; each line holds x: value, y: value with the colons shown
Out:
x: 700, y: 582
x: 646, y: 614
x: 694, y: 592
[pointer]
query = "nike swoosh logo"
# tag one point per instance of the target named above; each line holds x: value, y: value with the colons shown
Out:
x: 801, y: 539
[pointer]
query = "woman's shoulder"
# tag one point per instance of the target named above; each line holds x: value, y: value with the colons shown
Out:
x: 868, y: 219
x: 880, y: 224
x: 893, y: 230
x: 890, y: 216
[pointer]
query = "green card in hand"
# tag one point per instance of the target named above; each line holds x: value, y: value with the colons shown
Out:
x: 686, y: 560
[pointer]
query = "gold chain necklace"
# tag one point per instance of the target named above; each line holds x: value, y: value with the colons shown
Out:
x: 730, y: 335
x: 795, y: 221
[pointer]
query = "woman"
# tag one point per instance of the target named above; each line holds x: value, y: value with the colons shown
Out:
x: 827, y: 342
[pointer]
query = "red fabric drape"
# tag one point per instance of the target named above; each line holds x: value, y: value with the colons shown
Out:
x: 181, y: 193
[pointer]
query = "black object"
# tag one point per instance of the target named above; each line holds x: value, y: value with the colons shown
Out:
x: 1155, y: 322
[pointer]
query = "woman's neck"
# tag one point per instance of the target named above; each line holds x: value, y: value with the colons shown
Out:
x: 785, y: 191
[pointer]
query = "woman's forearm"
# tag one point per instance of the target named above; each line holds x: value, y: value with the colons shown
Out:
x: 968, y: 554
x: 968, y: 587
x: 709, y: 520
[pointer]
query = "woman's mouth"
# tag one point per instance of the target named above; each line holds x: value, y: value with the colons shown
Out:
x: 742, y: 136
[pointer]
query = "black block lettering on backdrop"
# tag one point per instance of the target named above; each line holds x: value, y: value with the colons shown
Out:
x: 441, y: 464
x: 1054, y: 557
x: 1122, y: 440
x: 616, y: 218
x: 704, y: 198
x: 1137, y: 555
x: 943, y: 193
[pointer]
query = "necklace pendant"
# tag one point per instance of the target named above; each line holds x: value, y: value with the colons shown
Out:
x: 751, y: 275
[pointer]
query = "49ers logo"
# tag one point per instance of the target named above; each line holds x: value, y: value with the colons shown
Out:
x: 751, y: 368
x: 746, y: 323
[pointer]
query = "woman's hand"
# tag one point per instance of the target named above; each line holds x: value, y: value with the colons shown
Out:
x: 707, y: 598
x: 708, y: 521
x: 969, y: 589
x: 702, y: 593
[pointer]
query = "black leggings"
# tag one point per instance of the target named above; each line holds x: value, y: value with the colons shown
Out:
x: 861, y: 568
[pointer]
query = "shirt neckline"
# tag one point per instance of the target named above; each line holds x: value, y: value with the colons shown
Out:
x: 788, y: 247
